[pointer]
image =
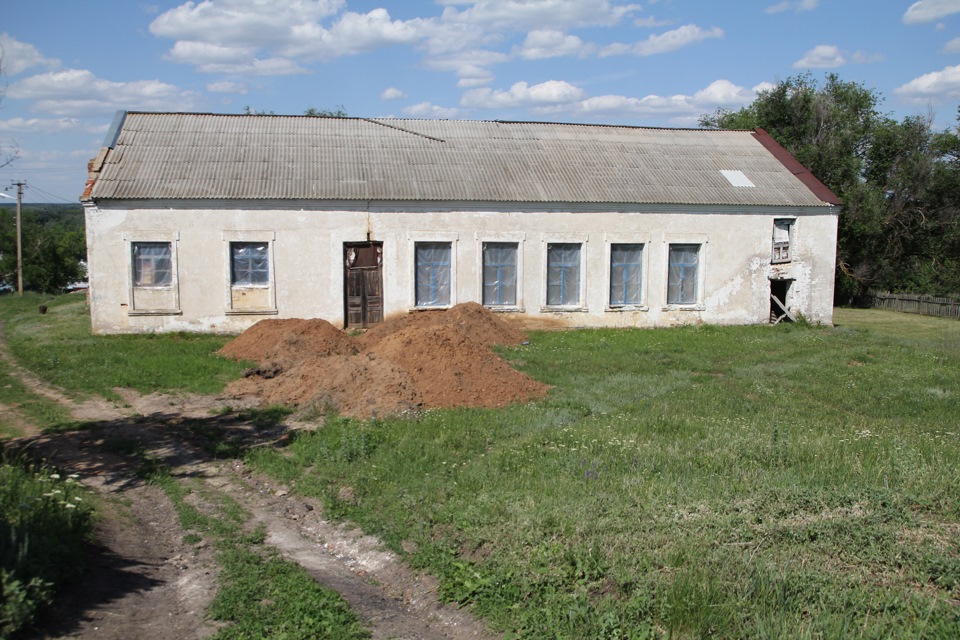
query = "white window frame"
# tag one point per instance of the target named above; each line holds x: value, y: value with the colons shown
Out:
x: 447, y: 237
x: 564, y: 238
x: 172, y: 238
x: 776, y: 253
x: 504, y: 238
x: 685, y: 239
x: 229, y: 238
x: 644, y: 241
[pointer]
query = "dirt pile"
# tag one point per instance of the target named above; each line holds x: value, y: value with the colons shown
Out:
x: 418, y: 361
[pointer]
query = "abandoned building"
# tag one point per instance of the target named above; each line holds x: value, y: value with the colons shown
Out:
x: 205, y: 222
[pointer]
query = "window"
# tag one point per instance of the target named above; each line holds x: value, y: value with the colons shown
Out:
x: 626, y: 271
x: 781, y: 240
x: 432, y: 273
x: 249, y: 264
x: 152, y: 264
x: 563, y: 274
x: 683, y: 272
x: 499, y: 273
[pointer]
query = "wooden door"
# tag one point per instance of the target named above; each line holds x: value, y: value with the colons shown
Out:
x: 363, y: 283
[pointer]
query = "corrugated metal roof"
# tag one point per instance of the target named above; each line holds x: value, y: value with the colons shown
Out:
x: 207, y: 156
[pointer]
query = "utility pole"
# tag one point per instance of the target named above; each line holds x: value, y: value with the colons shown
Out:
x: 20, y: 185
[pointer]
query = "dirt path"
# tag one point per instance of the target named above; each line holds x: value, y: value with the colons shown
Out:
x: 146, y: 582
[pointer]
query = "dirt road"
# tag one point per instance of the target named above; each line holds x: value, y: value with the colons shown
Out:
x: 146, y: 582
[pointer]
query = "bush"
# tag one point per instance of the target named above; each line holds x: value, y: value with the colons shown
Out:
x: 44, y: 522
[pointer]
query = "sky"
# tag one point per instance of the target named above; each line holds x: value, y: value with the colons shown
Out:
x: 68, y: 66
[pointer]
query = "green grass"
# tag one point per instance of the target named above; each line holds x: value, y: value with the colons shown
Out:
x: 260, y: 594
x: 59, y: 347
x: 729, y: 482
x: 44, y: 521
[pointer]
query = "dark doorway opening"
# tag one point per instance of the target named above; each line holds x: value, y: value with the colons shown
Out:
x: 363, y: 284
x: 779, y: 302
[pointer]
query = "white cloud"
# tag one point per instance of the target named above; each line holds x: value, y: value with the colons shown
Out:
x: 78, y: 92
x: 930, y: 10
x: 353, y: 33
x: 471, y: 67
x: 38, y: 125
x: 952, y: 46
x: 549, y: 43
x: 680, y: 108
x: 392, y: 93
x: 796, y: 5
x: 549, y: 93
x: 250, y: 23
x: 650, y: 22
x: 522, y: 15
x: 19, y: 56
x: 227, y: 87
x: 935, y: 86
x: 825, y: 56
x: 427, y: 110
x: 665, y: 42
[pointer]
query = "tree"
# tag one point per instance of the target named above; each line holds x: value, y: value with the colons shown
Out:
x: 339, y: 112
x: 54, y: 247
x: 895, y: 179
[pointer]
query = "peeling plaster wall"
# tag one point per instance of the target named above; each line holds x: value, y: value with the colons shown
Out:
x: 306, y: 252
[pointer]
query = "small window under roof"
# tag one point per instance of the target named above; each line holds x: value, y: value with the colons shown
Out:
x: 737, y: 178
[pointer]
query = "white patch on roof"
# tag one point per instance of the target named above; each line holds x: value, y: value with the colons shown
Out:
x: 737, y: 178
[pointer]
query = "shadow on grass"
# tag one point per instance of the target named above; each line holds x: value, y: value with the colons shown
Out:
x: 121, y: 455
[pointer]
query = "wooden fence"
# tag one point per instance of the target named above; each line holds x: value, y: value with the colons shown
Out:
x: 943, y: 306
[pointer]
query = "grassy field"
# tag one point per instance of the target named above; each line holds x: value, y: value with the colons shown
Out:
x: 727, y: 482
x: 731, y: 482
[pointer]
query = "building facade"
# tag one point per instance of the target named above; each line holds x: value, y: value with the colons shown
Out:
x: 203, y: 222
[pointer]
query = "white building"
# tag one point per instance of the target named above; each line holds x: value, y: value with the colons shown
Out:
x: 202, y: 222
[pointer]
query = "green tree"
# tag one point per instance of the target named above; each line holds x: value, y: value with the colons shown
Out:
x: 53, y: 245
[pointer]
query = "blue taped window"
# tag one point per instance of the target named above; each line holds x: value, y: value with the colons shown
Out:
x: 432, y: 265
x: 626, y: 271
x: 563, y: 274
x: 499, y: 273
x: 249, y: 264
x: 683, y: 272
x: 152, y: 264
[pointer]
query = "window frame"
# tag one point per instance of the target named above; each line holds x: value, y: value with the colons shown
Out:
x: 249, y: 283
x: 233, y: 237
x: 136, y: 261
x: 170, y: 292
x: 418, y: 237
x: 517, y: 274
x: 642, y: 264
x: 700, y: 242
x: 777, y: 253
x: 572, y: 239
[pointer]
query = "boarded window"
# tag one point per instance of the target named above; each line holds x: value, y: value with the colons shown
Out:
x: 152, y: 264
x: 432, y: 263
x: 499, y: 273
x: 563, y: 274
x: 781, y: 240
x: 626, y: 271
x: 249, y: 264
x: 683, y: 272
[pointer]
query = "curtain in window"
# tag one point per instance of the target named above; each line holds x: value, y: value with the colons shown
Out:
x: 152, y: 266
x: 625, y: 274
x: 432, y: 262
x: 249, y: 264
x: 682, y: 283
x: 563, y: 274
x: 499, y: 273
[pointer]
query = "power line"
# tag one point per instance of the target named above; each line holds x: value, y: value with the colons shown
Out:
x: 50, y: 195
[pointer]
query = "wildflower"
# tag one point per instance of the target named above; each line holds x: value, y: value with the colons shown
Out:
x: 55, y: 476
x: 77, y: 499
x: 69, y: 505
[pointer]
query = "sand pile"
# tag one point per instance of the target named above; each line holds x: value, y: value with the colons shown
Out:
x: 418, y: 361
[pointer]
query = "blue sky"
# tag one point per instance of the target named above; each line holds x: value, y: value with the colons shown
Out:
x: 68, y: 66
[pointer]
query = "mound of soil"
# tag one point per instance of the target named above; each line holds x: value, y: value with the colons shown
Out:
x: 412, y: 362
